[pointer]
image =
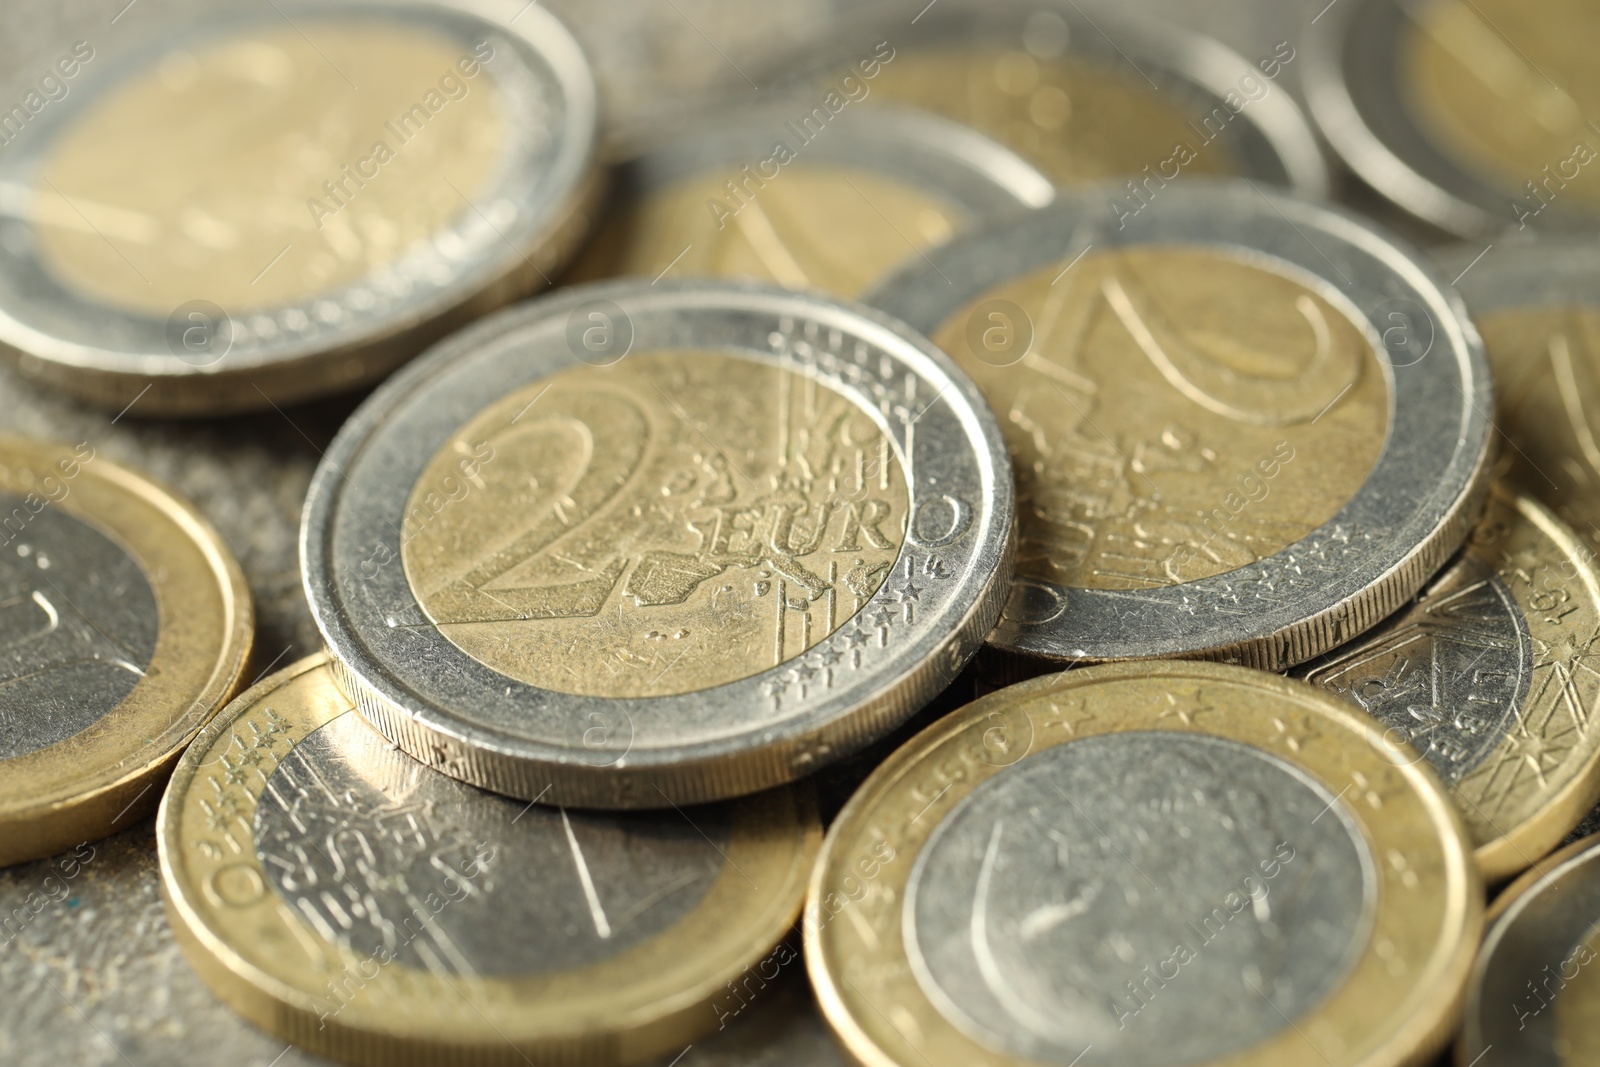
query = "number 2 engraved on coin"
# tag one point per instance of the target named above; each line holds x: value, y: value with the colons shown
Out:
x: 663, y: 543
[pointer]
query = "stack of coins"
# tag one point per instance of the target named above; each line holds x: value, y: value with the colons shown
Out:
x: 973, y: 524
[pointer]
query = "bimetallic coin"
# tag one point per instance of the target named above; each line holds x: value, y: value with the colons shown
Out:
x: 1538, y: 308
x: 1534, y: 998
x: 1491, y: 674
x: 1088, y: 99
x: 1140, y: 864
x: 1470, y: 114
x: 1244, y: 426
x: 124, y: 624
x: 262, y: 207
x: 822, y: 199
x: 358, y: 904
x: 639, y: 544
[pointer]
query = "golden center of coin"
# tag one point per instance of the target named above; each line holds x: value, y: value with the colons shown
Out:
x: 1079, y: 122
x: 1547, y: 369
x: 1510, y: 87
x: 673, y: 522
x: 832, y: 228
x: 1174, y: 413
x: 268, y: 168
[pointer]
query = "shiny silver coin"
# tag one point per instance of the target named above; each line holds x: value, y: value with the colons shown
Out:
x: 344, y: 184
x: 1531, y: 1002
x: 1107, y: 96
x: 807, y: 199
x: 639, y: 544
x: 1470, y: 117
x: 1161, y: 370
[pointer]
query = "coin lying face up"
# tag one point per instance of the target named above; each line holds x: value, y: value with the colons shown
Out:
x: 1087, y: 99
x: 640, y: 544
x: 358, y: 904
x: 832, y: 202
x: 1538, y: 307
x: 1138, y: 864
x: 1244, y: 426
x: 1470, y: 114
x: 1490, y: 674
x: 256, y: 209
x: 124, y: 624
x: 1534, y: 1000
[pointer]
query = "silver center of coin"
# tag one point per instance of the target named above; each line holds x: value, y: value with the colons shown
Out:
x: 378, y: 853
x: 1446, y: 674
x: 1153, y: 898
x: 78, y: 625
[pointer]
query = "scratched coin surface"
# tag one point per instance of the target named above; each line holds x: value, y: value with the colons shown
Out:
x: 1473, y: 115
x: 639, y: 544
x: 1244, y: 427
x: 1490, y: 674
x: 354, y: 902
x: 258, y: 208
x: 815, y: 200
x: 1538, y: 308
x: 1086, y: 99
x: 1534, y: 999
x: 125, y: 624
x: 1136, y: 865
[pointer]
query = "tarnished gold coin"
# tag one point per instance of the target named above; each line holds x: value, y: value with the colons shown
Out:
x: 124, y: 624
x: 1493, y: 675
x: 1096, y: 99
x: 826, y: 200
x: 362, y: 906
x: 1165, y: 863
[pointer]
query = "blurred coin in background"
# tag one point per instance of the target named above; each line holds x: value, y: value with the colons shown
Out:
x: 1140, y: 864
x: 1537, y: 305
x: 1491, y: 673
x: 125, y: 625
x: 1534, y: 999
x: 806, y: 199
x: 1088, y: 98
x: 1474, y: 115
x: 1244, y: 426
x: 259, y: 209
x: 642, y: 544
x: 358, y: 904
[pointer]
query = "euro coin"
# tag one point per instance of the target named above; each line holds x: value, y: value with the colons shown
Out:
x: 642, y: 544
x: 1538, y: 308
x: 1088, y: 98
x: 1245, y: 427
x: 359, y: 905
x: 125, y: 625
x: 1138, y: 864
x: 1490, y: 674
x: 256, y: 209
x: 805, y: 199
x: 1533, y: 1001
x: 1470, y: 114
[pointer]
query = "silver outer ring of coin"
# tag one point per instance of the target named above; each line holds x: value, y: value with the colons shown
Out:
x: 1409, y: 516
x: 1525, y: 274
x: 1525, y: 944
x: 1275, y: 143
x: 1352, y: 86
x: 512, y: 242
x: 459, y: 716
x: 977, y: 174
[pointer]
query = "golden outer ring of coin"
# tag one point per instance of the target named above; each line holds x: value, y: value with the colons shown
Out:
x: 257, y: 955
x: 105, y: 777
x: 1556, y: 799
x: 1404, y: 990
